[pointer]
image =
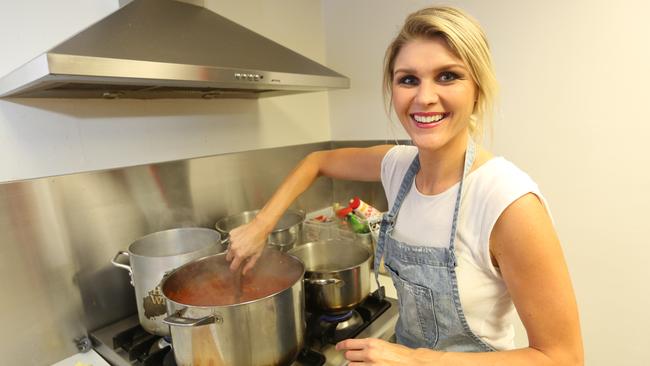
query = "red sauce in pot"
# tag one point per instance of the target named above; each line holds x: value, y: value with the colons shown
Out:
x: 219, y: 291
x: 209, y: 282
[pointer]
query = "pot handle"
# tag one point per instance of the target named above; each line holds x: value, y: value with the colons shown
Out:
x: 118, y: 264
x: 225, y: 242
x: 224, y: 236
x: 325, y: 281
x: 124, y: 266
x: 179, y: 321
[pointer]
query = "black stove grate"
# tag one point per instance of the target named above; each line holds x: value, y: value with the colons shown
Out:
x: 141, y: 346
x: 162, y: 357
x: 310, y: 358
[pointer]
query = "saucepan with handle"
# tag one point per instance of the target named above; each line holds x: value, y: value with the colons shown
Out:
x: 286, y: 234
x: 214, y: 321
x: 337, y: 274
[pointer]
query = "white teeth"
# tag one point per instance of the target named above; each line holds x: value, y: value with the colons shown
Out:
x: 428, y: 119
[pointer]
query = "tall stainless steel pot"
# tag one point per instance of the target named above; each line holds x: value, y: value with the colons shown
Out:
x: 153, y: 255
x: 212, y: 323
x: 286, y: 234
x: 337, y: 276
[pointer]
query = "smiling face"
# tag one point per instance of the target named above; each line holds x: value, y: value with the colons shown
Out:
x: 433, y: 93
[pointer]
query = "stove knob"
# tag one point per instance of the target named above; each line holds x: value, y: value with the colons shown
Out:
x: 83, y: 344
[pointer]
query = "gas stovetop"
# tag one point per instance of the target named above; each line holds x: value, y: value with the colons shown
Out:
x: 125, y: 343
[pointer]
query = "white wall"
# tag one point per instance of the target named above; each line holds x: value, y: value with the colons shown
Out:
x: 573, y: 113
x: 51, y: 137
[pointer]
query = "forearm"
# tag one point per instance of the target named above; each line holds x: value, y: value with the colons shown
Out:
x: 298, y: 181
x: 524, y: 357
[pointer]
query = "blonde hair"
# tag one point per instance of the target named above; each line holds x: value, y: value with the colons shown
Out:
x: 467, y: 41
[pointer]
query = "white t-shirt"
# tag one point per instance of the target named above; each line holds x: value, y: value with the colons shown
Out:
x: 488, y: 190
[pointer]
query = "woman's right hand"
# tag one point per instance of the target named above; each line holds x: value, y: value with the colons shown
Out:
x: 246, y: 245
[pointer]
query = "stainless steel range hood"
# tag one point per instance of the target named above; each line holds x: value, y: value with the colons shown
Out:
x: 167, y: 49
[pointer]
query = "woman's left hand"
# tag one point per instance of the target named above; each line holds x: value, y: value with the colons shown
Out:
x: 372, y: 351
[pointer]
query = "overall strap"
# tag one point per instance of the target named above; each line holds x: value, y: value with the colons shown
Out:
x: 388, y: 221
x: 405, y: 187
x: 470, y: 155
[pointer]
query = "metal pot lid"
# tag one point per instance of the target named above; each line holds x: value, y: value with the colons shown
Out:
x: 208, y: 281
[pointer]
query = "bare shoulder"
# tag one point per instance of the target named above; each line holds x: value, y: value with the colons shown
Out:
x: 380, y: 149
x: 526, y: 213
x: 373, y: 154
x: 354, y: 163
x: 524, y: 231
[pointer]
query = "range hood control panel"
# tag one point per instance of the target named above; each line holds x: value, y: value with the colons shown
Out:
x: 249, y: 77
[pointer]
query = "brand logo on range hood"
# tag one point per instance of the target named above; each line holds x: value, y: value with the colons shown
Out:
x: 168, y: 49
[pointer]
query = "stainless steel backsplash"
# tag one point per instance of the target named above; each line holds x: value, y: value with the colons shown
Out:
x: 58, y: 235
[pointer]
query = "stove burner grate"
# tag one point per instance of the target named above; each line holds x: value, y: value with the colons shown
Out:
x: 141, y: 345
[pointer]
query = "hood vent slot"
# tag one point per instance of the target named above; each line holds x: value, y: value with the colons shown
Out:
x: 80, y: 90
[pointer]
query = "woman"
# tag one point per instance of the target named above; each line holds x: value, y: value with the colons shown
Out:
x: 463, y: 227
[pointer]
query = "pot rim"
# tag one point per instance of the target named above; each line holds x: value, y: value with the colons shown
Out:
x: 298, y: 247
x: 198, y: 228
x: 299, y: 213
x: 169, y: 274
x: 338, y: 270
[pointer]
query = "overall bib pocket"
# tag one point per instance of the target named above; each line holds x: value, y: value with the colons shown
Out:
x: 416, y: 310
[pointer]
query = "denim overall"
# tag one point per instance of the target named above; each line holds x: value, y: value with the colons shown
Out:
x: 430, y: 314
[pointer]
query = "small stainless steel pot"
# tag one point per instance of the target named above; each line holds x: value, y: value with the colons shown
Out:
x: 337, y: 276
x: 286, y: 234
x: 153, y: 255
x: 212, y: 323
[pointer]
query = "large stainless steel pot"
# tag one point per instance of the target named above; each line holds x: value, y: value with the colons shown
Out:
x: 153, y: 255
x: 213, y: 324
x: 286, y: 234
x: 337, y: 276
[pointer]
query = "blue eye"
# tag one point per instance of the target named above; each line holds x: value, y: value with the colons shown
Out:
x: 448, y: 76
x: 408, y: 80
